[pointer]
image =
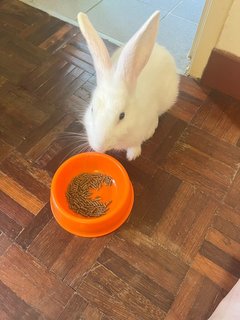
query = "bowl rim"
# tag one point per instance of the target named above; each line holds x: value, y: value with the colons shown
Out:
x: 78, y: 218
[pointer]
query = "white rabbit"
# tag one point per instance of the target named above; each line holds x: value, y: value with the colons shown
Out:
x: 134, y: 88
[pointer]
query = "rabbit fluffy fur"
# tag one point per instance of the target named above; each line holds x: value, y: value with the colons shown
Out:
x: 134, y: 87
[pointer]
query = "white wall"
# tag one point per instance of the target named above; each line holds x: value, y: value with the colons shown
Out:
x: 229, y: 39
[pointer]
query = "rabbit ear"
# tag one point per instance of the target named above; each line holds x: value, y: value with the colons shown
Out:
x: 137, y: 51
x: 96, y: 46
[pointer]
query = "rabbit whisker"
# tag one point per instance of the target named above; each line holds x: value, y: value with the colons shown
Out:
x: 73, y: 133
x: 74, y: 140
x: 84, y: 139
x: 77, y: 149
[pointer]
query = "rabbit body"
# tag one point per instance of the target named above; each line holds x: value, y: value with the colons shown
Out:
x: 134, y: 88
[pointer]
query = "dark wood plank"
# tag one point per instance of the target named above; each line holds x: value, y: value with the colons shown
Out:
x: 224, y: 243
x: 141, y: 171
x: 2, y: 80
x: 85, y: 91
x: 197, y: 298
x: 74, y: 103
x: 32, y: 230
x: 20, y: 12
x: 193, y: 88
x: 227, y: 227
x: 5, y: 243
x: 81, y: 55
x: 75, y: 83
x: 191, y: 97
x: 12, y: 131
x: 220, y: 116
x: 167, y: 133
x: 9, y: 226
x: 29, y: 54
x: 148, y: 257
x: 29, y: 108
x: 35, y: 151
x: 45, y: 30
x: 62, y: 86
x: 188, y: 162
x: 22, y: 54
x: 5, y: 149
x: 153, y: 201
x: 42, y: 246
x: 12, y: 307
x: 45, y: 87
x: 26, y: 175
x: 49, y: 299
x: 182, y: 227
x: 207, y: 306
x: 214, y: 148
x: 229, y: 214
x: 41, y: 131
x: 214, y: 272
x: 75, y: 259
x: 159, y: 296
x: 78, y: 62
x: 55, y: 155
x: 219, y: 257
x: 58, y: 39
x: 92, y: 313
x: 20, y: 195
x: 233, y: 193
x: 43, y: 73
x: 74, y: 309
x: 115, y: 297
x: 14, y: 210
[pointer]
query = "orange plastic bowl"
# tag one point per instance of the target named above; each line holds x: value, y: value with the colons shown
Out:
x: 121, y: 193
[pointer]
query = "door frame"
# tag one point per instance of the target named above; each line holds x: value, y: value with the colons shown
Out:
x: 209, y: 30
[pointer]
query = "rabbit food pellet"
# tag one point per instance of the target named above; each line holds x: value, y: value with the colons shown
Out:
x: 79, y: 195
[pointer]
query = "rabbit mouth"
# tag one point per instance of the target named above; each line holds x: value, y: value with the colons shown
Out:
x: 99, y: 149
x: 99, y: 146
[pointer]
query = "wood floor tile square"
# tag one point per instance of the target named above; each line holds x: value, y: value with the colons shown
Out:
x: 202, y: 160
x: 20, y: 271
x: 220, y: 117
x: 182, y: 227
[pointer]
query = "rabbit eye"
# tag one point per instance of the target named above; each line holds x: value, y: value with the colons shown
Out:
x: 122, y: 115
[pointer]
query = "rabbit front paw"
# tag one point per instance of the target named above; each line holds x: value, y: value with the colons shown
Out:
x: 133, y: 153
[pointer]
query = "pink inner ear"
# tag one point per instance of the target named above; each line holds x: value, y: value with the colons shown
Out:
x: 97, y: 48
x: 137, y: 51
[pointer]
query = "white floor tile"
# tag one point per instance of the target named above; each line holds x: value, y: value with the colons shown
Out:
x: 62, y: 8
x: 189, y: 9
x: 177, y: 35
x: 121, y: 19
x: 165, y: 5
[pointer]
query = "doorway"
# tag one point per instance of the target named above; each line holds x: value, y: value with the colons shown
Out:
x: 178, y: 25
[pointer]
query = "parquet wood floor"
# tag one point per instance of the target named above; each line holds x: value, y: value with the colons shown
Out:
x: 178, y: 254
